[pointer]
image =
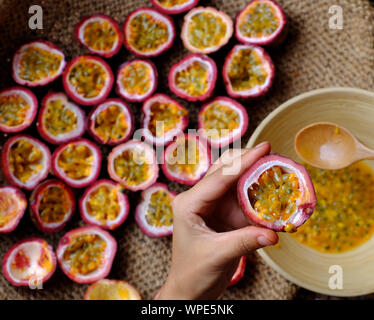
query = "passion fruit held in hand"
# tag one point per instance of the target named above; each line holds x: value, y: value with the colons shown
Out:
x: 277, y: 193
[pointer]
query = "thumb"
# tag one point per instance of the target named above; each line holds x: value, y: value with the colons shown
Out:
x: 244, y: 241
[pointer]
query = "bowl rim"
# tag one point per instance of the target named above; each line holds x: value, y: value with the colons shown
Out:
x: 262, y: 252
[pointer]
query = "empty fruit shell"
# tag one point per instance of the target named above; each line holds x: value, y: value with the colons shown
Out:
x: 29, y: 262
x: 206, y: 30
x: 137, y: 80
x: 104, y: 204
x: 187, y: 159
x: 86, y: 254
x: 88, y: 80
x: 100, y: 34
x: 133, y: 164
x: 77, y: 163
x: 163, y: 119
x: 37, y: 63
x: 261, y: 22
x: 193, y: 78
x: 239, y: 272
x: 154, y: 213
x: 18, y: 108
x: 277, y: 193
x: 111, y: 122
x: 148, y: 32
x: 59, y: 120
x: 13, y: 204
x: 52, y: 205
x: 222, y: 121
x: 248, y: 72
x: 25, y: 161
x: 106, y: 289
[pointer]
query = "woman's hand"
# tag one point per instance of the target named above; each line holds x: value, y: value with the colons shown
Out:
x: 210, y: 231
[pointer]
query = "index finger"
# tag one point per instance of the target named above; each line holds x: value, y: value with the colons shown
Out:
x: 217, y: 183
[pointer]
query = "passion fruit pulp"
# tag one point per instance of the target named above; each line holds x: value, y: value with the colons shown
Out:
x: 239, y: 272
x: 88, y: 80
x: 86, y: 254
x: 18, y: 108
x: 103, y: 204
x: 193, y: 78
x: 37, y: 63
x: 111, y: 122
x: 148, y: 32
x: 59, y: 120
x: 174, y: 6
x: 13, y: 204
x: 277, y: 193
x: 52, y: 204
x: 29, y: 262
x: 106, y: 289
x: 261, y: 22
x: 154, y: 213
x: 137, y: 80
x: 25, y: 161
x: 248, y: 72
x: 206, y: 30
x: 186, y: 160
x: 133, y: 164
x: 100, y: 34
x: 163, y: 119
x: 222, y: 121
x: 77, y: 163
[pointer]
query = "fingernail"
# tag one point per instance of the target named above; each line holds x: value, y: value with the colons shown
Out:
x: 263, y: 241
x: 260, y: 145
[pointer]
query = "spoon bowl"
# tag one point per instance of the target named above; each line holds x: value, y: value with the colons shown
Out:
x: 329, y: 146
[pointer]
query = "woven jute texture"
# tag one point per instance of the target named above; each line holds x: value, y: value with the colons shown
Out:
x: 313, y: 56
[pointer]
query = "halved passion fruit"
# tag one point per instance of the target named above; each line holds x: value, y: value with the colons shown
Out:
x: 248, y: 72
x: 174, y: 6
x: 277, y: 193
x: 154, y: 213
x: 25, y: 161
x: 187, y: 159
x: 100, y: 34
x: 103, y: 204
x: 18, y: 108
x: 59, y: 120
x: 77, y: 163
x: 222, y: 121
x: 88, y: 80
x: 106, y: 289
x: 13, y: 204
x: 111, y: 122
x: 133, y: 164
x: 164, y: 118
x: 261, y: 22
x: 148, y: 32
x: 193, y: 78
x: 239, y: 273
x: 206, y: 30
x: 86, y: 254
x: 137, y: 80
x: 52, y: 205
x: 29, y: 262
x: 37, y: 63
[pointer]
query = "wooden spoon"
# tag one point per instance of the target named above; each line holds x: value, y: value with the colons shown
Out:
x: 327, y: 145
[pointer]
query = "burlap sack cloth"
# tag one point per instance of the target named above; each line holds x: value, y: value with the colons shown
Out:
x: 313, y: 56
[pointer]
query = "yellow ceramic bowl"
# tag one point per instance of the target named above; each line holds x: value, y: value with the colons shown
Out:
x: 306, y: 267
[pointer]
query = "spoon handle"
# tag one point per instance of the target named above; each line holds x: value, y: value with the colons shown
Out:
x: 364, y: 153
